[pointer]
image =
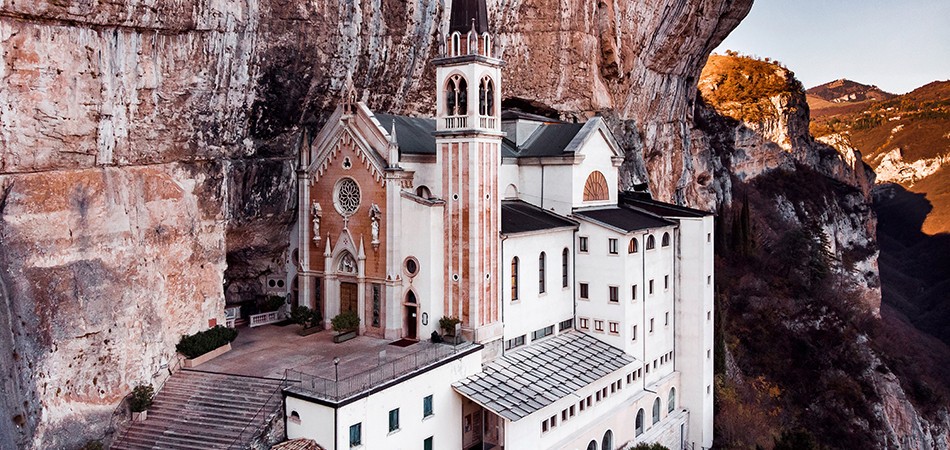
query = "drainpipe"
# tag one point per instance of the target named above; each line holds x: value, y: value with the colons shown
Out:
x: 336, y: 440
x: 643, y: 305
x: 501, y: 294
x: 542, y: 183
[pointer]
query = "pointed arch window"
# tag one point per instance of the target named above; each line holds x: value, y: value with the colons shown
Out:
x: 541, y: 281
x: 666, y: 240
x: 634, y: 246
x: 486, y: 97
x: 596, y: 187
x: 456, y: 96
x: 514, y: 278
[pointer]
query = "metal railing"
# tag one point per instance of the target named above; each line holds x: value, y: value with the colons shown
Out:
x: 352, y: 384
x: 252, y: 428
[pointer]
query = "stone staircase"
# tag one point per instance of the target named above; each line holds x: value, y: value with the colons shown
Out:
x: 203, y: 410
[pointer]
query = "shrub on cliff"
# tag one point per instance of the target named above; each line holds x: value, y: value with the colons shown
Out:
x: 203, y: 342
x: 141, y: 398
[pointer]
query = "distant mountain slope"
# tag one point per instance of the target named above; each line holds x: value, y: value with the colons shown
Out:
x: 842, y: 97
x: 906, y: 139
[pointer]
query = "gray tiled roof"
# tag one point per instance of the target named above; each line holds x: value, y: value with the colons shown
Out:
x: 519, y: 217
x: 413, y: 134
x: 623, y: 218
x: 524, y: 381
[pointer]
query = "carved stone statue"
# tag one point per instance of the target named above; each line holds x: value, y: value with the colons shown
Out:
x: 374, y: 214
x: 317, y: 212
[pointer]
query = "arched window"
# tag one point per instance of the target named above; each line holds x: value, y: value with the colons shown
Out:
x: 511, y: 191
x: 295, y: 417
x: 672, y: 401
x: 565, y: 260
x: 651, y: 242
x: 456, y: 100
x: 666, y: 240
x: 486, y: 97
x: 596, y: 187
x: 640, y: 422
x: 514, y: 278
x: 486, y: 44
x: 634, y: 246
x: 656, y: 410
x: 592, y: 445
x: 541, y: 261
x: 456, y: 43
x: 424, y: 192
x: 608, y: 442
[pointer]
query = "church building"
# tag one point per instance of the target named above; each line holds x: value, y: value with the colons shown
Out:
x: 586, y: 312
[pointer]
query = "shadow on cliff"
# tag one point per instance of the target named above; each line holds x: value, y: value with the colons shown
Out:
x: 915, y: 266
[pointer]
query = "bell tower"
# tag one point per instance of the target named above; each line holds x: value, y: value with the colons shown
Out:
x: 468, y: 149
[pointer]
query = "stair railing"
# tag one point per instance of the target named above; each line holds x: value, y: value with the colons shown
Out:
x: 240, y: 438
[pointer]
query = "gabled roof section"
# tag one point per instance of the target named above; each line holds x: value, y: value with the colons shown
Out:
x: 358, y: 130
x: 559, y: 139
x: 525, y: 381
x: 414, y: 133
x: 643, y: 201
x: 622, y: 219
x: 521, y: 217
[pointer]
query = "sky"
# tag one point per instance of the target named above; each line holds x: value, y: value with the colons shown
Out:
x: 898, y: 45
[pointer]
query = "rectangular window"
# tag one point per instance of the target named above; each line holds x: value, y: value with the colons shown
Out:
x: 584, y: 291
x: 572, y: 410
x: 651, y: 325
x: 708, y: 315
x: 394, y: 420
x: 564, y: 415
x: 708, y: 354
x: 666, y: 319
x: 708, y: 279
x: 583, y: 321
x: 614, y: 294
x: 651, y: 287
x: 376, y: 300
x: 565, y: 324
x: 544, y: 426
x: 634, y: 333
x: 582, y: 405
x: 598, y: 396
x: 514, y: 342
x: 427, y: 406
x: 666, y: 281
x: 514, y: 278
x: 546, y: 331
x: 654, y: 364
x: 553, y: 421
x: 588, y: 401
x: 582, y: 244
x: 427, y: 443
x: 648, y: 368
x: 612, y: 246
x: 708, y: 237
x: 633, y: 293
x: 598, y: 325
x: 614, y: 327
x: 356, y: 435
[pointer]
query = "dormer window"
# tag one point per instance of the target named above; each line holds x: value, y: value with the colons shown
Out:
x: 456, y: 92
x: 486, y: 97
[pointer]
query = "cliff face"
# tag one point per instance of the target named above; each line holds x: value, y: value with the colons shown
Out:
x: 145, y: 159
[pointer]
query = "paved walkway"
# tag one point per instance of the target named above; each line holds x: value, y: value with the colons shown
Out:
x: 269, y: 350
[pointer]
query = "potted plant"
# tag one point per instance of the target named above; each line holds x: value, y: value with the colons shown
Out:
x: 346, y: 325
x: 140, y: 401
x: 447, y: 324
x: 308, y: 319
x: 206, y: 345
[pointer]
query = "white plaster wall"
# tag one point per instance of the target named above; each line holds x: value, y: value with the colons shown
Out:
x: 533, y: 310
x: 316, y: 421
x: 616, y: 413
x: 694, y: 337
x: 599, y: 270
x: 426, y: 174
x: 421, y: 237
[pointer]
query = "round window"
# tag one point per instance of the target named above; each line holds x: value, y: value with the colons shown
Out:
x: 412, y: 266
x: 346, y: 196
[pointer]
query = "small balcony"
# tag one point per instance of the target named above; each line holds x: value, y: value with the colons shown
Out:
x: 462, y: 122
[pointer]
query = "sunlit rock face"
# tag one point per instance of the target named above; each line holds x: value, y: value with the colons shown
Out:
x: 145, y: 169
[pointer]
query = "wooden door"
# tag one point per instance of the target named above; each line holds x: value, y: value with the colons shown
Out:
x: 348, y: 300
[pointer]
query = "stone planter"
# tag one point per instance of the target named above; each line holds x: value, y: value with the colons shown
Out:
x: 308, y: 331
x: 345, y: 336
x: 452, y: 340
x: 139, y: 416
x: 195, y: 362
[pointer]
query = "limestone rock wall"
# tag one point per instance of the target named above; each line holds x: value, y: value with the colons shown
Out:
x: 145, y: 154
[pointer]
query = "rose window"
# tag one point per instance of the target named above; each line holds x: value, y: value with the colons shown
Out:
x: 347, y: 196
